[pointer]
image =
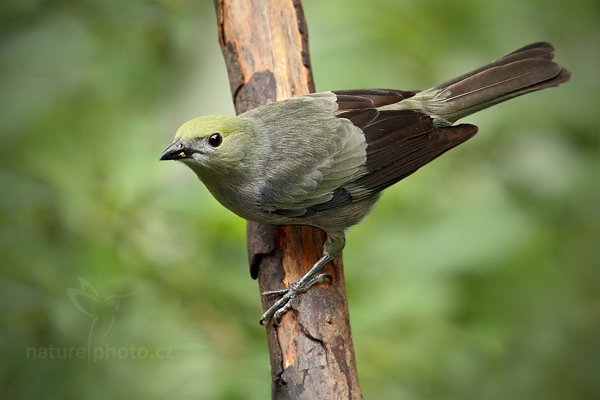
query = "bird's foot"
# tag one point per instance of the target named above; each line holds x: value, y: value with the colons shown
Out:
x: 288, y: 296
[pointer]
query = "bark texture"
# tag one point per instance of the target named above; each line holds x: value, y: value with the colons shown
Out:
x: 265, y: 46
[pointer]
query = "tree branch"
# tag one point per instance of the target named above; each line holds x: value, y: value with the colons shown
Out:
x: 265, y: 46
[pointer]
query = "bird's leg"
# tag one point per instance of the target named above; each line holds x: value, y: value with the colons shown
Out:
x: 333, y: 245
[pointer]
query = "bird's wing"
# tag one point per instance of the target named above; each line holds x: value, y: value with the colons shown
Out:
x: 398, y: 142
x: 345, y: 147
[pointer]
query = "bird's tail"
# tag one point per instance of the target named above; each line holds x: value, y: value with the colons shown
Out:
x: 525, y: 70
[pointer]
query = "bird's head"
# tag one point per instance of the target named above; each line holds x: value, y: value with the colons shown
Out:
x: 211, y: 144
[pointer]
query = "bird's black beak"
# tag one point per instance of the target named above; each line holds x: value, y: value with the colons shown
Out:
x: 176, y: 151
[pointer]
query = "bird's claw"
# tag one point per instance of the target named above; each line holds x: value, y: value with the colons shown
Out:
x: 288, y: 295
x: 280, y: 306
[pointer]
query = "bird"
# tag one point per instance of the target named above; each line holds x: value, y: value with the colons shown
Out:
x: 323, y: 159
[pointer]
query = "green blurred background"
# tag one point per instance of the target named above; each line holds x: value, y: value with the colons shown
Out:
x: 476, y: 278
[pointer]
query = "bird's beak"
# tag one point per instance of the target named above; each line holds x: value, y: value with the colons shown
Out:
x: 176, y: 151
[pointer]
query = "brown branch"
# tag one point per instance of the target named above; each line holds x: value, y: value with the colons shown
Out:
x: 265, y: 45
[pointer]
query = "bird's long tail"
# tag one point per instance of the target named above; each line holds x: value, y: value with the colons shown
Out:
x: 525, y: 70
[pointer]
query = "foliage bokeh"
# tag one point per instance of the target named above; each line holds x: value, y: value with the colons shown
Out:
x: 475, y: 278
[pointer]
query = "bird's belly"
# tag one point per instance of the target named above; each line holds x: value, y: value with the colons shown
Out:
x: 245, y: 203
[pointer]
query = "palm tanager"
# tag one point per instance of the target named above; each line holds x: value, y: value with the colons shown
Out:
x: 323, y: 159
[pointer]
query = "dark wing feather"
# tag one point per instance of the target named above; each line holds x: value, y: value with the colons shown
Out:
x: 356, y: 99
x: 407, y: 149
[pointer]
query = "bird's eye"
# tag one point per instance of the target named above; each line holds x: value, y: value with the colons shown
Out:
x: 215, y: 139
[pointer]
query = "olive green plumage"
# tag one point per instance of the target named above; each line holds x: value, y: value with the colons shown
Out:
x: 323, y: 159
